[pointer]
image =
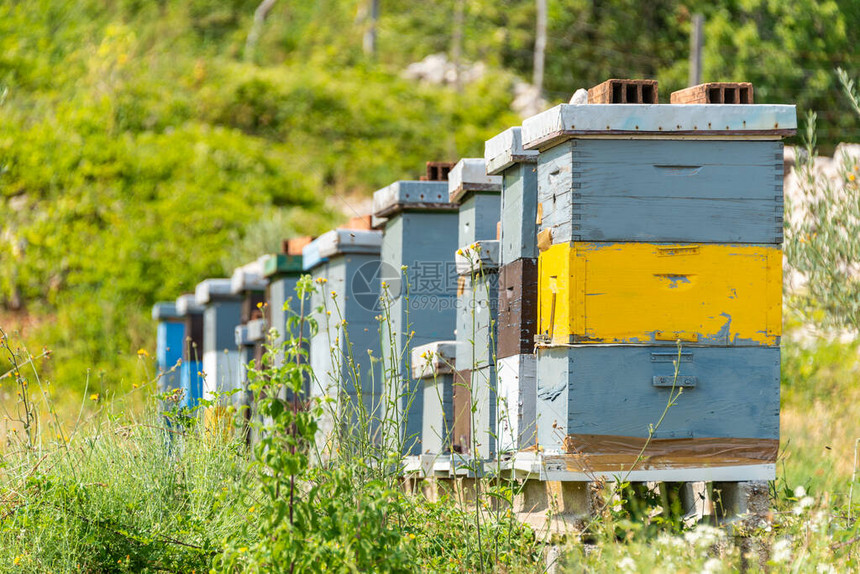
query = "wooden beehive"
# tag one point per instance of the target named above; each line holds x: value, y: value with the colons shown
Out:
x: 643, y: 293
x: 478, y: 196
x: 190, y: 379
x: 715, y: 93
x: 222, y: 311
x: 420, y: 234
x: 477, y: 312
x: 249, y: 283
x: 434, y: 365
x: 169, y: 342
x: 596, y: 404
x: 659, y: 227
x: 282, y: 271
x: 505, y: 156
x: 346, y: 273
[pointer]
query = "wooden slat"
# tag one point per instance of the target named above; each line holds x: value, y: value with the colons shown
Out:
x: 642, y: 293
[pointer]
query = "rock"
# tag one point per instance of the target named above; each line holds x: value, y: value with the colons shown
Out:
x: 580, y: 96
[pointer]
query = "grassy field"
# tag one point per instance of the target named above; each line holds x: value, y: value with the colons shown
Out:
x: 109, y: 487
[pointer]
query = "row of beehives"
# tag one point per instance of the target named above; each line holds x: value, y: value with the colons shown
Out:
x: 590, y: 243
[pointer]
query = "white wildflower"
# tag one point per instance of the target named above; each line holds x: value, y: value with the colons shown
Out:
x: 703, y: 536
x: 819, y: 521
x: 825, y: 569
x: 799, y: 492
x: 781, y: 551
x: 712, y: 566
x: 627, y: 564
x: 803, y: 504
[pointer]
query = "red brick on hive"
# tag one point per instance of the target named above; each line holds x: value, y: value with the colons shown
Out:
x: 715, y: 93
x: 437, y: 171
x: 617, y: 91
x: 359, y: 223
x: 295, y: 245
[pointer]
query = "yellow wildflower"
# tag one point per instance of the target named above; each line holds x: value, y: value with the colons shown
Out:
x: 94, y: 397
x: 142, y: 353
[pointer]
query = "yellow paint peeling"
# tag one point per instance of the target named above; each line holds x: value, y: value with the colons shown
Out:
x: 643, y: 292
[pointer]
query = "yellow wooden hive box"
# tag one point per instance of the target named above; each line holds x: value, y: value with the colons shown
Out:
x: 645, y: 293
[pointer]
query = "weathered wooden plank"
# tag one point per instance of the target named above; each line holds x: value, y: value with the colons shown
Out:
x: 461, y: 401
x: 643, y: 293
x: 518, y: 307
x: 565, y: 121
x: 608, y: 390
x: 517, y: 380
x: 656, y: 190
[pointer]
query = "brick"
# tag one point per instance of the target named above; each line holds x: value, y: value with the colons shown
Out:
x: 715, y: 93
x: 437, y: 170
x: 295, y: 245
x: 361, y: 223
x: 624, y: 92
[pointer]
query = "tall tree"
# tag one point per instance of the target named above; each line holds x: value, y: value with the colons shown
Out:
x: 540, y: 45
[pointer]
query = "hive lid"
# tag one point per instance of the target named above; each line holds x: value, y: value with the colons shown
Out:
x: 470, y: 174
x: 410, y: 195
x: 311, y: 256
x: 565, y: 121
x: 249, y: 277
x: 506, y: 149
x: 338, y: 241
x: 436, y: 358
x: 481, y: 255
x: 212, y: 289
x: 341, y: 241
x: 164, y: 311
x: 281, y: 264
x: 187, y: 305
